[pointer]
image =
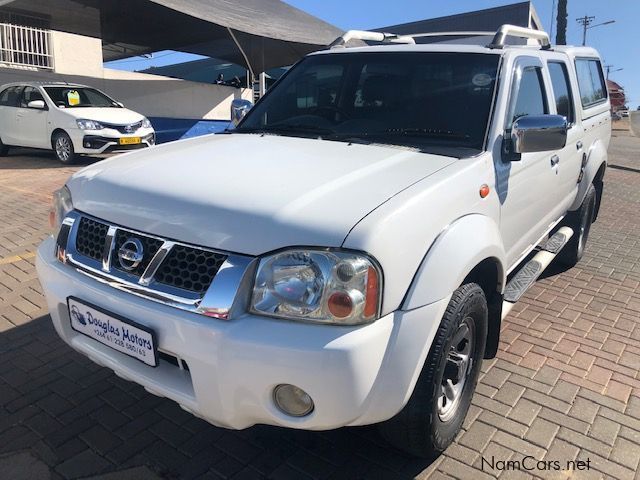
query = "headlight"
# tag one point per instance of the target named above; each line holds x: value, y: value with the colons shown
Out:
x: 89, y: 125
x: 61, y: 205
x: 325, y: 286
x: 146, y: 123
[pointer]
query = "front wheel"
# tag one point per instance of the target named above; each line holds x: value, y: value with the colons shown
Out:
x: 63, y: 148
x: 441, y: 398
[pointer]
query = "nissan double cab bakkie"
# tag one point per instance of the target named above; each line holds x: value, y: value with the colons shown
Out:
x: 346, y: 254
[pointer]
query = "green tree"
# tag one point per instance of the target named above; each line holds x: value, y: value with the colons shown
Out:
x: 561, y: 18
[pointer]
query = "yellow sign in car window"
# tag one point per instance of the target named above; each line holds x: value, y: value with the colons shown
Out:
x: 73, y: 98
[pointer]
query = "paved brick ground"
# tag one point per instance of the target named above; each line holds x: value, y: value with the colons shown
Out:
x: 565, y: 385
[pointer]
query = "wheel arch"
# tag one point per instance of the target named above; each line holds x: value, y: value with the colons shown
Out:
x: 55, y: 132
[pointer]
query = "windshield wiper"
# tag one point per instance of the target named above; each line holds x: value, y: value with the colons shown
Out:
x: 287, y: 128
x: 424, y: 132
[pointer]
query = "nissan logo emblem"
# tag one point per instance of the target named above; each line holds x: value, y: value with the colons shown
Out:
x: 130, y: 254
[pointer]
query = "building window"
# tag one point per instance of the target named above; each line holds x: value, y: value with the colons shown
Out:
x: 23, y: 44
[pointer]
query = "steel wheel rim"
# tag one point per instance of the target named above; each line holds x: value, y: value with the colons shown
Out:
x: 457, y: 369
x: 63, y: 149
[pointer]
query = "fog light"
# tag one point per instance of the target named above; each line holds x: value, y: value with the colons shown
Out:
x: 87, y: 145
x: 292, y: 400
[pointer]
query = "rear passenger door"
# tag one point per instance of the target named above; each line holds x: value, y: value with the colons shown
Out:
x: 528, y: 188
x: 570, y: 157
x: 8, y: 111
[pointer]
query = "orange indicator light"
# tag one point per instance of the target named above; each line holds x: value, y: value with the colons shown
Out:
x: 484, y: 190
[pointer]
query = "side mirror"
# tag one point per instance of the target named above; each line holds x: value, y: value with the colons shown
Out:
x: 538, y: 133
x: 120, y: 104
x: 239, y: 108
x: 37, y: 104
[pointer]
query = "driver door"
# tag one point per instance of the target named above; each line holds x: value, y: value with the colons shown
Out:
x: 528, y: 188
x: 31, y: 123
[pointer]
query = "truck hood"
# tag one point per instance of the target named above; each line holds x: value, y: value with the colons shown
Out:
x: 117, y: 116
x: 248, y: 193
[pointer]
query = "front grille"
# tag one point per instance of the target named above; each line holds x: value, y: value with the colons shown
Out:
x: 134, y: 127
x: 184, y: 268
x: 149, y: 244
x: 90, y: 238
x: 189, y: 268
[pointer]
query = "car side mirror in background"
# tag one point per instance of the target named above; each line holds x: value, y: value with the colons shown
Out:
x: 120, y: 104
x: 239, y: 108
x: 536, y: 133
x: 37, y: 104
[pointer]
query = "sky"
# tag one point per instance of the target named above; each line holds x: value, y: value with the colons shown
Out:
x: 618, y: 43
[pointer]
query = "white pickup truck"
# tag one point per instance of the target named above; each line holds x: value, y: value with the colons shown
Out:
x: 345, y: 256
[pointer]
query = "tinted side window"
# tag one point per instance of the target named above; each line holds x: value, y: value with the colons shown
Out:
x: 531, y: 98
x: 30, y: 94
x: 9, y: 96
x: 562, y: 90
x: 593, y: 89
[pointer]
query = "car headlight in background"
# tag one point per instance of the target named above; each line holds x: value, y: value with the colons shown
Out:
x: 89, y: 125
x: 61, y: 205
x: 324, y: 286
x: 146, y: 123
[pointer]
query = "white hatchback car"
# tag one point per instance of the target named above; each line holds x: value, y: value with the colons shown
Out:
x: 70, y: 119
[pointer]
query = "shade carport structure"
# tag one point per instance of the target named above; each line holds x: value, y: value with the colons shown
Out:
x: 258, y: 34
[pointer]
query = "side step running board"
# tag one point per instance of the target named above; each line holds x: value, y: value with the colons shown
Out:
x: 530, y: 271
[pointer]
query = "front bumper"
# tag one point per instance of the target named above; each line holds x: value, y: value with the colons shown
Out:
x: 355, y: 375
x: 108, y: 140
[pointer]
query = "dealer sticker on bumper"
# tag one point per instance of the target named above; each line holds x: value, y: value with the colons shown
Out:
x: 116, y: 332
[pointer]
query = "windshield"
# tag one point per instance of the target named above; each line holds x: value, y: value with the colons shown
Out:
x: 77, y: 97
x: 416, y: 99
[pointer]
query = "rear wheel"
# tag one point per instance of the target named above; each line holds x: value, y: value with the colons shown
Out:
x: 580, y: 221
x: 4, y: 149
x: 63, y: 148
x: 434, y: 414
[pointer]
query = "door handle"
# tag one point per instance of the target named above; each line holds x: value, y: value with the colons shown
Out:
x: 555, y: 160
x: 579, y: 145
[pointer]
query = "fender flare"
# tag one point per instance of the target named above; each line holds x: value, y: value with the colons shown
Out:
x: 596, y: 158
x: 457, y: 250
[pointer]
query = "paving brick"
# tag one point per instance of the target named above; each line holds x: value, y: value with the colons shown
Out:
x: 82, y: 465
x: 542, y: 433
x: 478, y: 436
x: 604, y: 430
x: 626, y: 453
x: 524, y: 411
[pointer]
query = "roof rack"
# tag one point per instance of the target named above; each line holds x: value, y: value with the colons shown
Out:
x: 499, y: 38
x: 370, y: 36
x: 514, y: 31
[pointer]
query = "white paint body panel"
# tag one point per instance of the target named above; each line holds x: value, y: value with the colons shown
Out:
x: 419, y: 215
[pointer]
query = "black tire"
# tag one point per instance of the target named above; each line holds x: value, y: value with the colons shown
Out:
x: 425, y: 427
x: 580, y: 221
x: 63, y: 148
x: 4, y: 149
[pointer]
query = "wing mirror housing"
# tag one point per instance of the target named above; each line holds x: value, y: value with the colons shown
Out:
x: 536, y: 133
x: 239, y: 108
x: 37, y: 104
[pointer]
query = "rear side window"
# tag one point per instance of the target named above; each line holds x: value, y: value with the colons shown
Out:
x: 593, y: 89
x: 9, y: 96
x: 29, y: 95
x: 531, y: 97
x: 562, y: 90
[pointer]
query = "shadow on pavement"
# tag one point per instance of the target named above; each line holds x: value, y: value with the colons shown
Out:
x: 23, y: 159
x: 82, y: 420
